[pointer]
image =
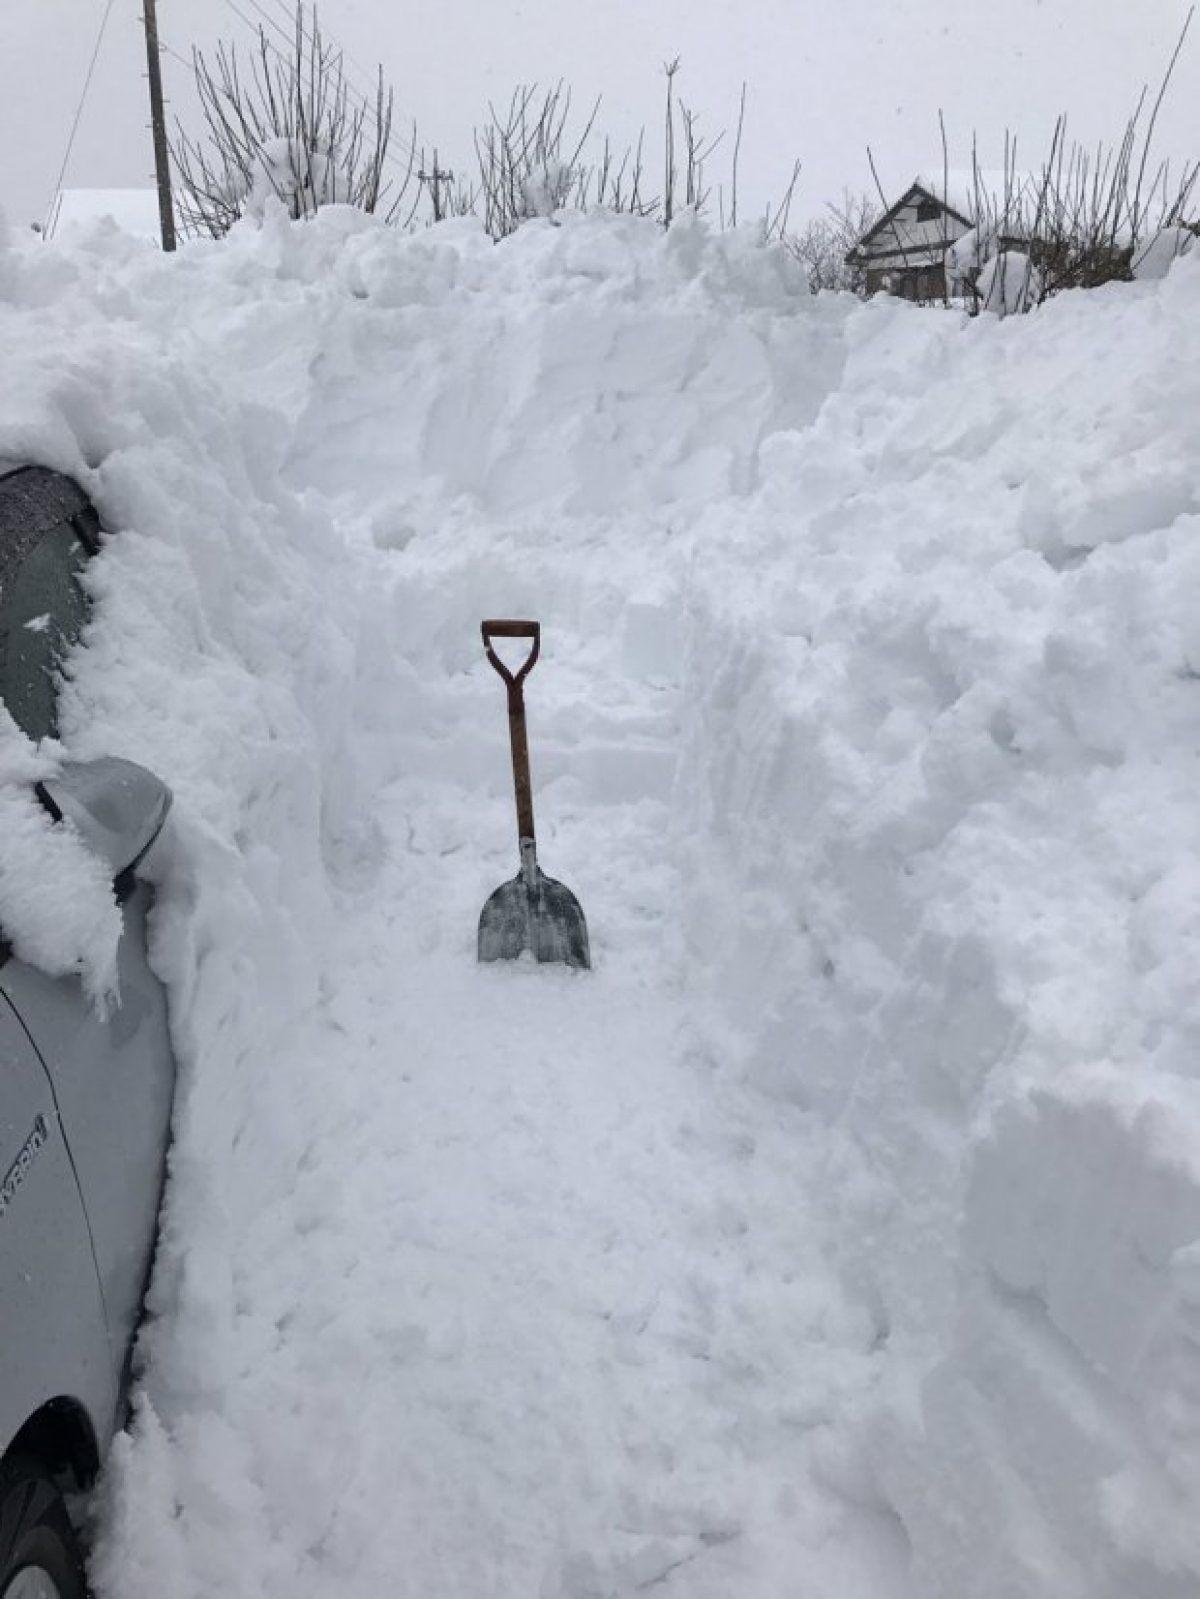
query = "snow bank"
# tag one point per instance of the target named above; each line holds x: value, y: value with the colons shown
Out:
x: 940, y: 819
x: 873, y: 717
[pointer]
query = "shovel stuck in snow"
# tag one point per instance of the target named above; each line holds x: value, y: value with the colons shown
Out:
x: 532, y: 912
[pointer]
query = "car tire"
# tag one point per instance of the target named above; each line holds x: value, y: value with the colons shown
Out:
x: 40, y: 1557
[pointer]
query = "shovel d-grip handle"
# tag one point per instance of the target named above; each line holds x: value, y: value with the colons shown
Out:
x: 514, y: 682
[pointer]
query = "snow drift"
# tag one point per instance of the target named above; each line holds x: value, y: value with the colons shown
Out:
x: 853, y: 1207
x: 954, y: 802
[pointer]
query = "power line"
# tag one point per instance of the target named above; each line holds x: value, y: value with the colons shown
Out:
x: 281, y: 6
x: 87, y: 83
x: 174, y: 54
x: 242, y: 17
x: 270, y: 21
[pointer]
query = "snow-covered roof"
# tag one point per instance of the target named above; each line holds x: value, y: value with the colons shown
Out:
x: 135, y: 210
x: 967, y: 190
x: 999, y: 200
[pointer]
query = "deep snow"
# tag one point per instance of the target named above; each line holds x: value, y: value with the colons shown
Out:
x: 838, y: 1234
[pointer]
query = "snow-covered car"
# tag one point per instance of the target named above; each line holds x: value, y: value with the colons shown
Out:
x: 85, y: 1098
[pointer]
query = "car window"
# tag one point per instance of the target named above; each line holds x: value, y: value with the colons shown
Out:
x: 43, y: 607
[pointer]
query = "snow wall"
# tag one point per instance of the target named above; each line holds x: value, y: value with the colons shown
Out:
x: 938, y: 781
x: 925, y: 594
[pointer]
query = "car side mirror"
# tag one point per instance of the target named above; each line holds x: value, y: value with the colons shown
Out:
x: 117, y: 807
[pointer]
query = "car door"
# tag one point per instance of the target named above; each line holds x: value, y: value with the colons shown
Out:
x: 113, y: 1079
x: 53, y: 1334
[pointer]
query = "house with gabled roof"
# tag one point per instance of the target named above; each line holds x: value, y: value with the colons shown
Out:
x: 904, y: 251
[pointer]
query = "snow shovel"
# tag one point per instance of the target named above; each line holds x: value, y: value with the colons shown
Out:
x: 532, y: 912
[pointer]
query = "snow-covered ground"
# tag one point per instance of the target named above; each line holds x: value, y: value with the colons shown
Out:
x: 838, y: 1236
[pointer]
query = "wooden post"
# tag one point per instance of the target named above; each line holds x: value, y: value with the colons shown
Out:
x: 158, y: 128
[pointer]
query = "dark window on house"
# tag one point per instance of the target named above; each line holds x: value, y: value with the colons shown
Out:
x: 928, y: 210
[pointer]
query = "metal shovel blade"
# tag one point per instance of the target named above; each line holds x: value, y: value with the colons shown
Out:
x: 534, y: 912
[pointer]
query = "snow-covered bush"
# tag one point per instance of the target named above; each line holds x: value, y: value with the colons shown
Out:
x: 1008, y: 281
x: 1089, y: 215
x: 524, y: 169
x: 302, y: 178
x: 1079, y: 218
x: 547, y: 189
x: 532, y: 162
x: 287, y: 129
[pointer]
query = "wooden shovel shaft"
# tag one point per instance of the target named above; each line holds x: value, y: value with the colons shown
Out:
x: 520, y: 759
x: 514, y: 682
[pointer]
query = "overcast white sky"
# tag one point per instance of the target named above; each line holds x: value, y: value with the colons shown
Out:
x: 825, y: 79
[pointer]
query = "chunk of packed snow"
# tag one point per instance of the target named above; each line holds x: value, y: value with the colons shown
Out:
x: 964, y: 259
x: 1155, y: 258
x: 547, y: 188
x: 59, y: 911
x: 302, y: 177
x: 1008, y: 283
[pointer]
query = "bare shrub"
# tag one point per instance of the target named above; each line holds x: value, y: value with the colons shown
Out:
x: 1079, y: 218
x: 528, y: 165
x: 1086, y: 216
x: 531, y: 163
x: 822, y: 246
x: 697, y: 153
x: 287, y: 126
x: 1091, y: 215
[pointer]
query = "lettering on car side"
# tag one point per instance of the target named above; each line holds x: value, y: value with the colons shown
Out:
x: 19, y: 1170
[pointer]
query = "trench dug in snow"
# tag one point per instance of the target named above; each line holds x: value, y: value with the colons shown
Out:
x: 530, y: 1301
x: 526, y: 1296
x: 837, y: 1235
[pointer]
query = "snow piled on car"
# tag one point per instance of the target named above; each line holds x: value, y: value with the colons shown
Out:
x: 839, y: 1233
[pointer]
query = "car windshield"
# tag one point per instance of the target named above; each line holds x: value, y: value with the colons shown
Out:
x: 42, y: 610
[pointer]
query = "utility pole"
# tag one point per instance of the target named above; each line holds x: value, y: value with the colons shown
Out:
x: 158, y: 127
x: 438, y: 183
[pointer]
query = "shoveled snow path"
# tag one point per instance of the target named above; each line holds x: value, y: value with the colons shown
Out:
x: 565, y: 1314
